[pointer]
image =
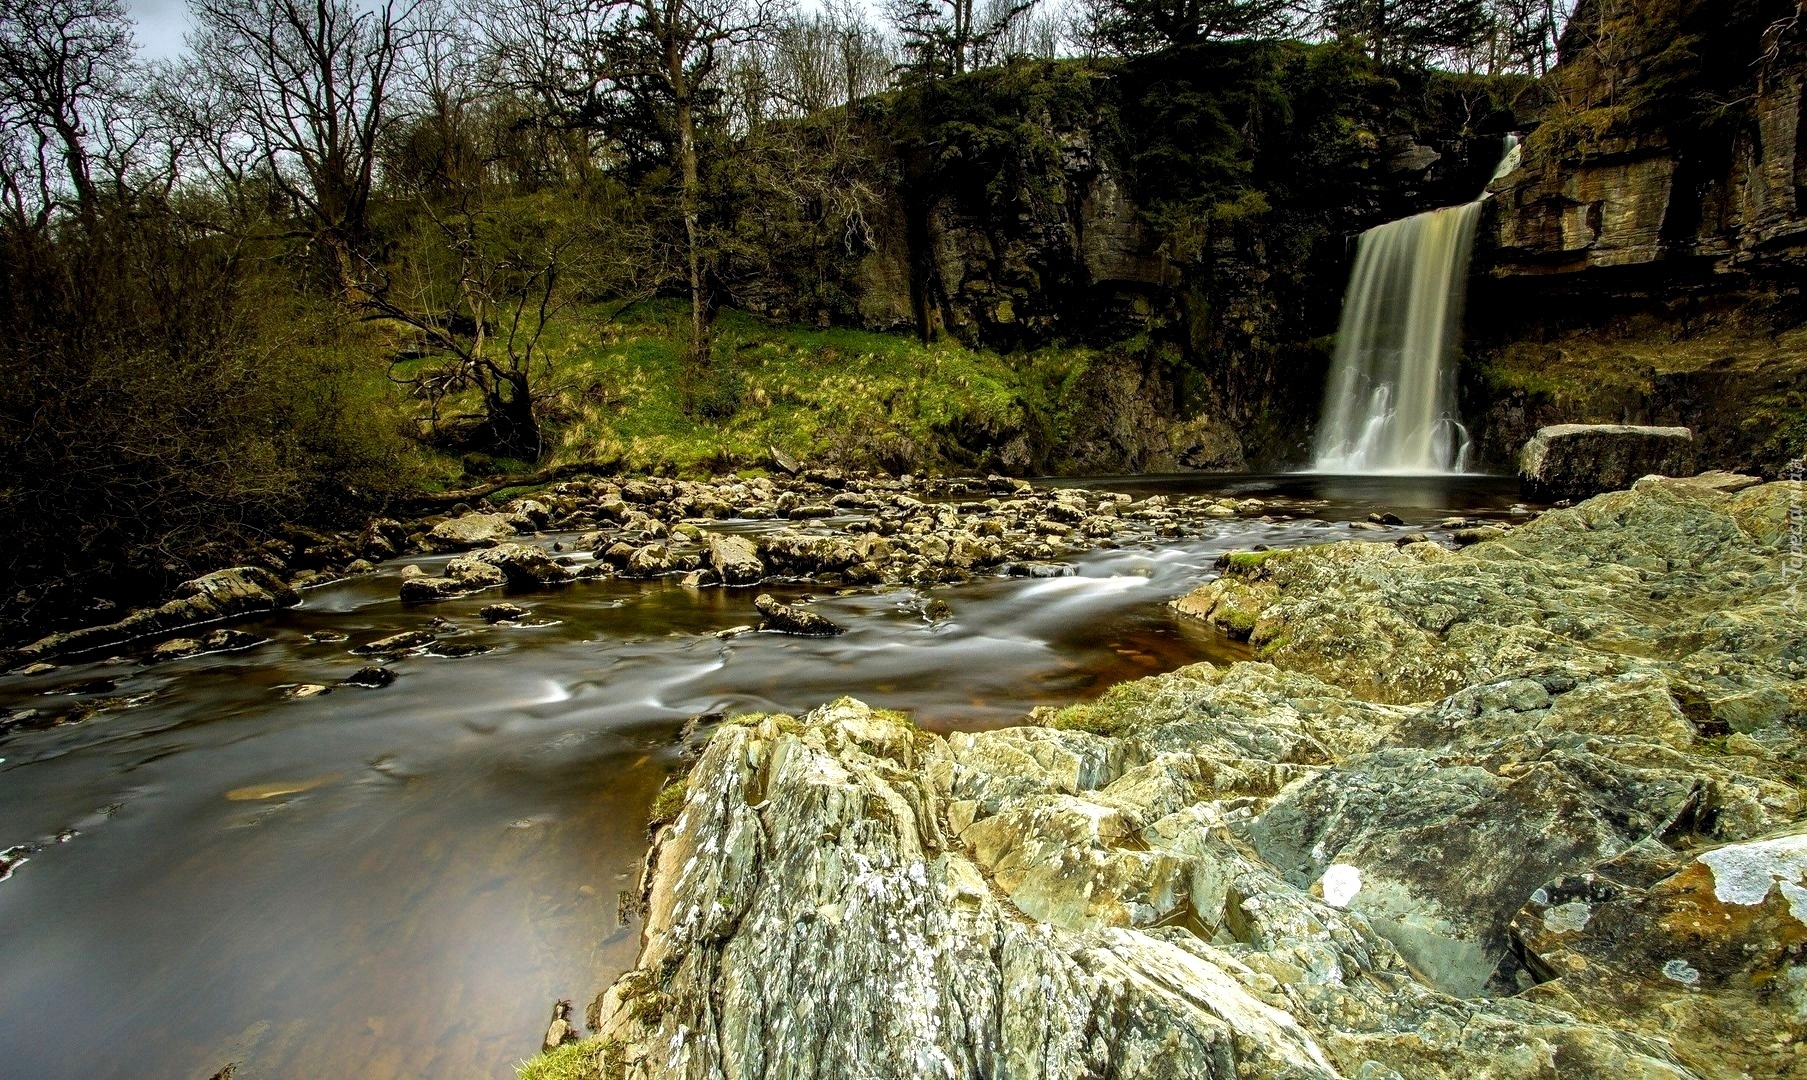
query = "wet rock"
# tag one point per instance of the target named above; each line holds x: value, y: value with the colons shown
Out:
x: 1711, y: 941
x: 616, y: 554
x: 396, y: 644
x: 648, y: 560
x: 735, y: 559
x: 453, y: 650
x: 802, y: 555
x: 382, y: 539
x: 223, y: 594
x: 792, y: 619
x: 1571, y: 589
x: 303, y: 691
x: 469, y: 531
x: 1573, y: 461
x: 372, y: 677
x: 1385, y: 518
x: 1477, y: 535
x: 231, y: 641
x: 504, y: 612
x: 559, y: 1031
x: 1484, y: 820
x: 1040, y: 569
x: 424, y: 589
x: 39, y: 668
x: 1729, y: 483
x: 1507, y: 831
x: 174, y: 649
x: 522, y: 566
x: 1051, y: 900
x: 527, y: 515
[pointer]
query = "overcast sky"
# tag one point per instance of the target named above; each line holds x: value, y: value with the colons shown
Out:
x: 161, y: 24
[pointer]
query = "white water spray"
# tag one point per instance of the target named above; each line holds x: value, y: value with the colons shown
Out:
x: 1391, y: 403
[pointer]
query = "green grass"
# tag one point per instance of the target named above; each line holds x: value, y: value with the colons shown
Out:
x: 620, y: 391
x: 669, y: 803
x: 591, y: 1059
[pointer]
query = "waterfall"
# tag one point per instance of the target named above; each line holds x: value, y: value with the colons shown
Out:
x: 1391, y: 403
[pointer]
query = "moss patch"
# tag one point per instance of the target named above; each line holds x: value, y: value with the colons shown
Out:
x: 1120, y: 707
x: 1250, y: 563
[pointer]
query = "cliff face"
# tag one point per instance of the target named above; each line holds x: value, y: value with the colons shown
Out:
x: 1195, y: 214
x: 1193, y: 210
x: 1643, y: 264
x: 1676, y: 138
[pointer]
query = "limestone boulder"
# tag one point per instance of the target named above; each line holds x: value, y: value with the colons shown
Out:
x: 735, y: 559
x: 1574, y: 461
x: 793, y: 618
x: 223, y: 594
x: 468, y: 531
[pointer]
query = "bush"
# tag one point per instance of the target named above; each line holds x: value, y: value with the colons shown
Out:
x: 165, y: 403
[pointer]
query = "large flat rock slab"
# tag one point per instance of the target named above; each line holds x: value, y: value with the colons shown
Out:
x: 1532, y: 809
x: 1574, y: 461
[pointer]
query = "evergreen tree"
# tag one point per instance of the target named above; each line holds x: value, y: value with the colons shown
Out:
x: 1135, y: 27
x: 1410, y: 31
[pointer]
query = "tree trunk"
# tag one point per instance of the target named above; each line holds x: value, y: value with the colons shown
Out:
x: 511, y: 419
x: 689, y: 199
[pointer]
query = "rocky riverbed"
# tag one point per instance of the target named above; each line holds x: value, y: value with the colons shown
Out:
x: 834, y: 529
x: 1532, y: 808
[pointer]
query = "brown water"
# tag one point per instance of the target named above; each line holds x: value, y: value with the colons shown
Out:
x: 398, y: 882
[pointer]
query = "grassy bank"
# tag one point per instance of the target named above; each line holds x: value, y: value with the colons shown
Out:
x: 618, y: 391
x: 1741, y: 388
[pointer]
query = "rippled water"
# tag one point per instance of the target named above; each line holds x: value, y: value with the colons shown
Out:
x: 400, y: 881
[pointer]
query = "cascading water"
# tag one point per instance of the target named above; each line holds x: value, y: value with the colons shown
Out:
x: 1390, y: 406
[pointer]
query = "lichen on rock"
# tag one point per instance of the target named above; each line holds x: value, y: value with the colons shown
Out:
x: 1529, y: 858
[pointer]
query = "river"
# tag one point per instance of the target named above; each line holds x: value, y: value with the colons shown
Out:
x: 398, y: 882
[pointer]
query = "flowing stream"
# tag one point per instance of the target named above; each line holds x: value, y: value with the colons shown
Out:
x: 1390, y: 406
x: 398, y: 882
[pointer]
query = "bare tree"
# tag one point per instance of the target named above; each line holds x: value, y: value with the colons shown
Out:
x: 947, y: 37
x: 312, y: 82
x: 60, y: 62
x: 1036, y: 33
x: 438, y: 106
x: 546, y: 55
x: 828, y: 58
x: 480, y: 287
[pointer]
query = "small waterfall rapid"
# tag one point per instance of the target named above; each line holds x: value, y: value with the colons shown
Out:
x: 1391, y: 403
